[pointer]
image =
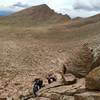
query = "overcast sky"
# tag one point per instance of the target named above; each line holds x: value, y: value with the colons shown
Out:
x: 74, y: 8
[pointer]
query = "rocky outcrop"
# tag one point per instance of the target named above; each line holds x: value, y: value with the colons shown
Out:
x: 69, y: 84
x: 59, y: 90
x: 93, y: 79
x: 80, y: 62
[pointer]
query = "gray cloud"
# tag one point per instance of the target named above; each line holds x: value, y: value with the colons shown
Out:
x: 88, y: 5
x: 19, y: 4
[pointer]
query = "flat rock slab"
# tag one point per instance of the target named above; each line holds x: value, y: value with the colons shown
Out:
x: 88, y: 96
x: 69, y: 79
x: 49, y: 86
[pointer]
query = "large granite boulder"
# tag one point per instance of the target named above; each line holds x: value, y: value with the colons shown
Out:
x: 96, y: 61
x: 93, y: 79
x: 80, y: 61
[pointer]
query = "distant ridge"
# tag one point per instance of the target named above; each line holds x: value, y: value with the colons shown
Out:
x: 77, y: 18
x: 36, y: 15
x: 5, y: 13
x: 80, y: 22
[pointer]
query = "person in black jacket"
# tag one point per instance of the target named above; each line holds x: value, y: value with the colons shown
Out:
x: 38, y: 83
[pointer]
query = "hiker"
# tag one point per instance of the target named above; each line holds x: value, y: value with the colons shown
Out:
x: 51, y: 78
x: 38, y: 83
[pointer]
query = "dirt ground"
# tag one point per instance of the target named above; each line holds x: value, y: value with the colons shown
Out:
x: 30, y: 52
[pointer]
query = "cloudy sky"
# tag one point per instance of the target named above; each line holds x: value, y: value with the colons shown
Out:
x: 74, y: 8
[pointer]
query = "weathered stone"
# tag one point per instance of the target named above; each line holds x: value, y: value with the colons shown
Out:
x: 93, y: 79
x: 88, y: 96
x: 80, y: 62
x: 69, y: 79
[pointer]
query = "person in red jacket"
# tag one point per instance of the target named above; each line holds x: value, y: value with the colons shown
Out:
x: 51, y: 78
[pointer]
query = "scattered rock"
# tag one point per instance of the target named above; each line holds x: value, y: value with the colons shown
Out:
x: 80, y: 62
x: 93, y: 79
x: 88, y: 96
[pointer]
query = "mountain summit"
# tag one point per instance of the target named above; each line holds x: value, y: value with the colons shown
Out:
x: 37, y: 15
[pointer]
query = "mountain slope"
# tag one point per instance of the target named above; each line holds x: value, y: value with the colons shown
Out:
x: 36, y: 15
